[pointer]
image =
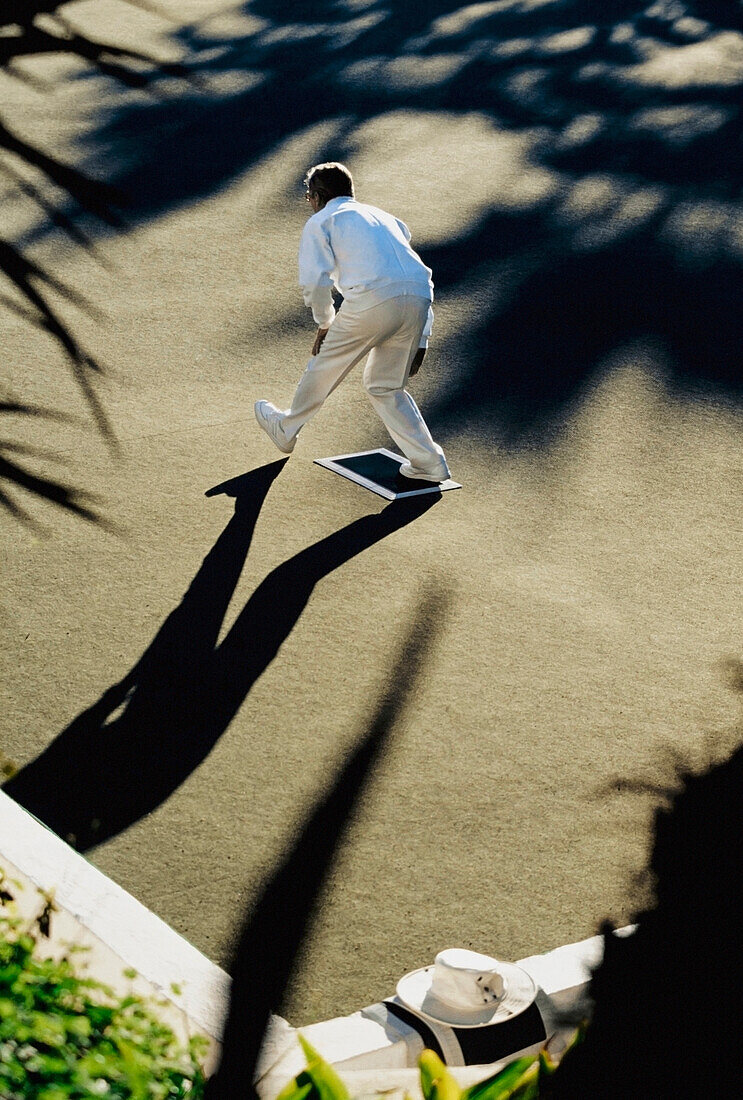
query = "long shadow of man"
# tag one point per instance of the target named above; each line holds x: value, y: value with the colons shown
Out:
x: 123, y: 756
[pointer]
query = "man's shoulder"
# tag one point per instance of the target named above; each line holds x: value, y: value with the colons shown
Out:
x: 343, y: 204
x: 345, y: 207
x: 321, y: 217
x: 313, y: 223
x: 363, y: 211
x: 370, y: 208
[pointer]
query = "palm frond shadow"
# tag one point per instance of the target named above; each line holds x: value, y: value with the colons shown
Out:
x: 15, y: 474
x: 58, y: 218
x: 276, y: 927
x: 28, y: 38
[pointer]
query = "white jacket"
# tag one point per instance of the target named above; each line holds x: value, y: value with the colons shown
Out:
x: 365, y: 254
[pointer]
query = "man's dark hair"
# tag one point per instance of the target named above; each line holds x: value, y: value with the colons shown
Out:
x: 330, y: 181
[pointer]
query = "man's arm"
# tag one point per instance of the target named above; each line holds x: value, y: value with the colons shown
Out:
x: 415, y: 366
x: 319, y: 337
x: 316, y: 264
x: 420, y: 355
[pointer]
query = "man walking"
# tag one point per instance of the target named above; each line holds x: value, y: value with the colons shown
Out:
x: 387, y: 294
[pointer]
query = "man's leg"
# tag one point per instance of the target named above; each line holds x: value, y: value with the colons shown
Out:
x: 385, y: 375
x: 348, y: 341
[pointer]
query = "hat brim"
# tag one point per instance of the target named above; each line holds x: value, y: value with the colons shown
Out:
x: 414, y: 990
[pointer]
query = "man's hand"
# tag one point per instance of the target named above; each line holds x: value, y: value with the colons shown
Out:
x: 320, y: 336
x: 415, y: 366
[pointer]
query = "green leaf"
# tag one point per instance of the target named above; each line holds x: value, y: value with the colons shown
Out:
x: 78, y: 1026
x: 547, y: 1065
x: 49, y: 1066
x: 528, y: 1087
x: 297, y: 1089
x: 324, y: 1078
x: 136, y: 1069
x: 436, y: 1081
x: 577, y: 1037
x: 502, y: 1085
x: 100, y: 1016
x: 47, y: 1029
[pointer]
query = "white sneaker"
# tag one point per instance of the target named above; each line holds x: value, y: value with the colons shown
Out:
x: 408, y: 470
x: 268, y: 416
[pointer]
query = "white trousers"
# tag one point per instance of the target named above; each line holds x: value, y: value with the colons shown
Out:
x: 389, y: 333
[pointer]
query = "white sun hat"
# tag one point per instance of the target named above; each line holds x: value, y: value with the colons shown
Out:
x: 466, y: 989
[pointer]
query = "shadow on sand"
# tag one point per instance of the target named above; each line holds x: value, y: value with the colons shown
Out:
x: 123, y: 756
x: 264, y: 961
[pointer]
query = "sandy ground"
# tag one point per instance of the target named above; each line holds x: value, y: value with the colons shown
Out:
x: 592, y: 575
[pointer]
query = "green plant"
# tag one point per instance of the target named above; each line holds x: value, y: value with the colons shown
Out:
x: 318, y: 1081
x: 64, y: 1036
x: 519, y: 1080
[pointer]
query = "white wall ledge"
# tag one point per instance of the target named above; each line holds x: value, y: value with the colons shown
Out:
x: 120, y: 930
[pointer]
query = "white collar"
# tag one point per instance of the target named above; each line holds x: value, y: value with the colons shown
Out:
x: 338, y: 199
